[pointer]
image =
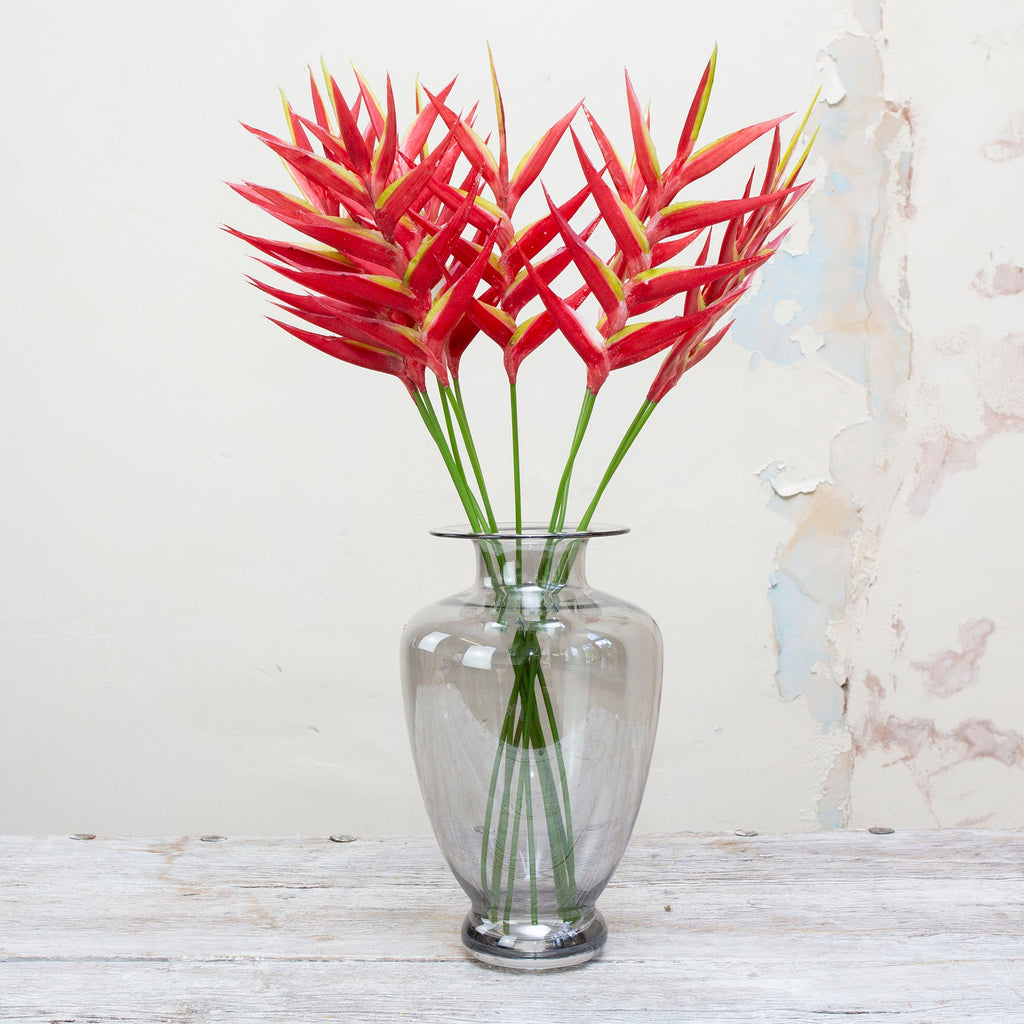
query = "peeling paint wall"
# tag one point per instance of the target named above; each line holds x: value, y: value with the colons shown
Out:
x: 936, y: 717
x: 904, y: 569
x: 212, y: 537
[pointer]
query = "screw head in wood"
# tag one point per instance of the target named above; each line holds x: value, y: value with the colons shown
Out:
x: 342, y: 839
x: 84, y: 835
x: 212, y: 839
x: 745, y: 833
x: 879, y: 830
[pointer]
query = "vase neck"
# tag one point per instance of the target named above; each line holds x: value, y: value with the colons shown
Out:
x: 531, y: 562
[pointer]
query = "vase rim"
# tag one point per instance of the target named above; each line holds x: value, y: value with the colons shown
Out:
x: 531, y: 531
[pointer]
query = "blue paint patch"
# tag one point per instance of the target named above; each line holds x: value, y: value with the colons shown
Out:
x: 829, y: 282
x: 837, y: 184
x: 834, y: 125
x: 799, y: 621
x: 906, y: 166
x: 789, y: 277
x: 801, y: 624
x: 832, y: 287
x: 830, y: 817
x: 848, y: 355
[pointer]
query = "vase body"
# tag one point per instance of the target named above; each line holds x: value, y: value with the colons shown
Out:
x: 532, y: 700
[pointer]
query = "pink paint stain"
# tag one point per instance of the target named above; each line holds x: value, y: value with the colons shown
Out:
x: 940, y: 458
x: 952, y: 671
x: 909, y: 738
x: 999, y: 279
x: 1009, y: 143
x: 927, y: 750
x: 1002, y: 368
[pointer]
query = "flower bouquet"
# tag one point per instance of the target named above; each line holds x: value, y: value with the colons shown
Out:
x: 531, y: 698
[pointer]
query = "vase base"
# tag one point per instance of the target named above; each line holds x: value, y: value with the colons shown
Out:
x: 533, y: 947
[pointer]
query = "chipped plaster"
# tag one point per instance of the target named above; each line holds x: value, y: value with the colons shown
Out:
x: 821, y: 571
x: 932, y: 403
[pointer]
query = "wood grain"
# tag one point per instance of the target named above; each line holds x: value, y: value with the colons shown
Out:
x: 915, y: 927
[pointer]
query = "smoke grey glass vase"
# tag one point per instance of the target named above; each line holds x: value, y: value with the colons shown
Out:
x: 532, y: 703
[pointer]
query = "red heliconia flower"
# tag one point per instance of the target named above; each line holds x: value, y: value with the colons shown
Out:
x: 401, y: 247
x: 494, y: 313
x: 406, y: 250
x: 649, y: 228
x: 406, y: 260
x: 382, y: 281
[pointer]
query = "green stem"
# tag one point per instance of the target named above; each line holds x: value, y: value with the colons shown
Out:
x: 570, y: 854
x: 522, y: 758
x: 531, y: 842
x: 552, y: 812
x: 469, y: 502
x: 562, y: 496
x: 620, y: 453
x: 453, y: 441
x: 506, y: 751
x: 625, y: 444
x: 522, y: 743
x: 516, y: 480
x: 504, y: 743
x: 455, y: 397
x: 522, y: 732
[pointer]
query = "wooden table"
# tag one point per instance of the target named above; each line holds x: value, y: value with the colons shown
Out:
x: 912, y: 927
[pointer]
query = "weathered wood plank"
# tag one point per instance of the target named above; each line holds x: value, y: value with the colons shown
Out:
x: 919, y: 927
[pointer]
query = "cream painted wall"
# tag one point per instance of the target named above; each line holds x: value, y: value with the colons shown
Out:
x: 211, y: 536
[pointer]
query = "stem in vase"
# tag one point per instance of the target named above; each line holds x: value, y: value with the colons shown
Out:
x: 506, y: 752
x: 522, y: 732
x: 557, y: 840
x: 570, y: 855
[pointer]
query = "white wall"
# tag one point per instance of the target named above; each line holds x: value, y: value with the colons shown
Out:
x: 211, y: 536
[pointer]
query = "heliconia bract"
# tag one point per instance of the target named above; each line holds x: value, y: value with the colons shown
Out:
x: 410, y: 249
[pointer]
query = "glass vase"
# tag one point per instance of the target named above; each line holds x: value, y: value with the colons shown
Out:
x: 532, y: 703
